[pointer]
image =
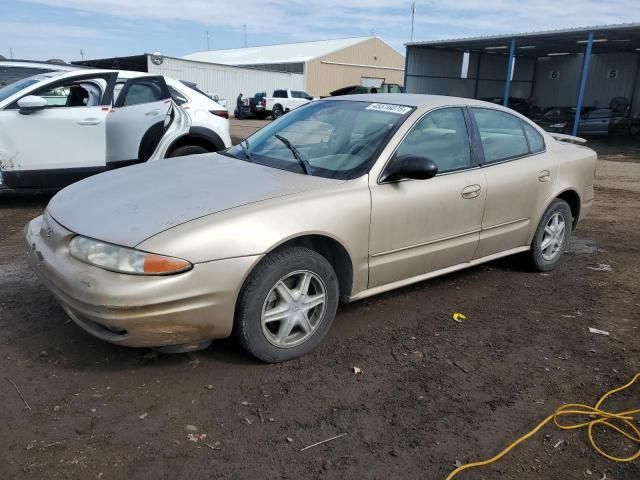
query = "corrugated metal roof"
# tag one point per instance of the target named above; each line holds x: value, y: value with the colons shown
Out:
x: 597, y: 29
x: 285, y: 53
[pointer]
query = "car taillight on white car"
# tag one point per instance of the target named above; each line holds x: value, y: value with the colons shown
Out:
x: 124, y: 260
x: 220, y: 113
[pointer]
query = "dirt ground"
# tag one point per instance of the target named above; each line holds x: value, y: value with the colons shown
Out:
x: 432, y: 392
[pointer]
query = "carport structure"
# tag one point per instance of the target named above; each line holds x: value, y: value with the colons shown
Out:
x: 572, y: 67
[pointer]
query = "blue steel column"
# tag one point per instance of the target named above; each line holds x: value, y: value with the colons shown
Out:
x: 507, y: 85
x: 583, y: 84
x: 406, y: 65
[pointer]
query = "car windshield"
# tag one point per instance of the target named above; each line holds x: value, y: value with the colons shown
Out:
x: 15, y: 87
x: 331, y: 139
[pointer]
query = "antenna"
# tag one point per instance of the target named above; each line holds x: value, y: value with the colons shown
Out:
x: 81, y: 54
x: 413, y: 16
x: 245, y: 35
x: 208, y: 46
x: 10, y: 52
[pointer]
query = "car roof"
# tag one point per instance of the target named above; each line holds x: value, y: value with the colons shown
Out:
x: 414, y: 100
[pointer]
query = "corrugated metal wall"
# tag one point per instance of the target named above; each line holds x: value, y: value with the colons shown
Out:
x: 372, y: 58
x: 226, y: 81
x: 610, y: 75
x: 556, y: 80
x: 438, y: 72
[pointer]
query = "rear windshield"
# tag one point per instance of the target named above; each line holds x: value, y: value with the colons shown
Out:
x: 333, y: 139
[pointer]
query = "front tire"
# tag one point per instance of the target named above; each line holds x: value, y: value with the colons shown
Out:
x: 287, y: 305
x: 552, y: 236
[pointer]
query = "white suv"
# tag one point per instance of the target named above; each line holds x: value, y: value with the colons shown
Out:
x: 59, y: 127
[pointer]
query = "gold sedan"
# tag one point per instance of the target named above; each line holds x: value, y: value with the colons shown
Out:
x: 341, y: 199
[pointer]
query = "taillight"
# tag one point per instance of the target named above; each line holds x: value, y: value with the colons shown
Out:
x: 220, y: 113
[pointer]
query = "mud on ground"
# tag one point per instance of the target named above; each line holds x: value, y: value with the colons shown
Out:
x: 432, y: 392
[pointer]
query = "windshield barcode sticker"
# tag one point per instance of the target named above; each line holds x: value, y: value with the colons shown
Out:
x: 387, y: 107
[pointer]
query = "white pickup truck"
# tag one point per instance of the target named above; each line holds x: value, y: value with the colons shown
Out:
x: 283, y: 101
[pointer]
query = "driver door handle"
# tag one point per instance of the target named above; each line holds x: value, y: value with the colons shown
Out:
x: 89, y: 121
x: 152, y: 112
x: 471, y: 191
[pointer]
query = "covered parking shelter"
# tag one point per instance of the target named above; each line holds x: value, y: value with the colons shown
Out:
x: 575, y: 67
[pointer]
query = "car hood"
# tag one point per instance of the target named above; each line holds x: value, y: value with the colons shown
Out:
x: 129, y: 205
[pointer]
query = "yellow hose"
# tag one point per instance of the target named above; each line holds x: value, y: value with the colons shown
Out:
x: 625, y: 426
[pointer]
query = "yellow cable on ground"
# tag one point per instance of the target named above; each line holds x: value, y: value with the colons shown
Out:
x: 598, y: 416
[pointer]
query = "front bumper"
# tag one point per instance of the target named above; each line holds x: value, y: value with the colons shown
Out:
x: 137, y: 310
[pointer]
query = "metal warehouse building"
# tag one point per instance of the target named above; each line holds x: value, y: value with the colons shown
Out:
x: 574, y: 67
x: 325, y: 65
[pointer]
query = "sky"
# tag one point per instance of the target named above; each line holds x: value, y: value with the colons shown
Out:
x: 45, y: 29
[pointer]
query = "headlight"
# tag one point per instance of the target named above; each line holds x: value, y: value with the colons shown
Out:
x: 124, y: 260
x: 558, y: 125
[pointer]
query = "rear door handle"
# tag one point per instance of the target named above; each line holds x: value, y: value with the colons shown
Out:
x: 471, y: 191
x: 544, y: 176
x: 89, y: 121
x: 152, y: 112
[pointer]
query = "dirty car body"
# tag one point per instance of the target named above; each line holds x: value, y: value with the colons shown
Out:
x: 341, y: 199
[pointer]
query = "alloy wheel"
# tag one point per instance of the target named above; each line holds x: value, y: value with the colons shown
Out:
x: 553, y: 237
x: 293, y: 309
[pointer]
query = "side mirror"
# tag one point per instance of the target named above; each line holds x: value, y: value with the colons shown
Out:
x: 412, y: 167
x: 309, y: 97
x: 31, y: 104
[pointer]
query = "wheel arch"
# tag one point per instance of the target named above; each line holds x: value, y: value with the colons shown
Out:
x: 331, y: 249
x: 201, y: 137
x: 573, y: 199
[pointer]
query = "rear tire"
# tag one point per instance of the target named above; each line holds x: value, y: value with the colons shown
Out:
x: 277, y: 112
x: 187, y: 150
x: 287, y: 305
x: 552, y: 236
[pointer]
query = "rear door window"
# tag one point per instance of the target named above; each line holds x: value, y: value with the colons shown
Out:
x: 536, y: 142
x: 501, y: 134
x: 144, y: 91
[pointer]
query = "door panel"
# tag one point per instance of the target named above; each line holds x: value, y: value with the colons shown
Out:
x: 418, y: 226
x: 518, y: 188
x: 139, y: 114
x: 68, y: 134
x: 424, y: 225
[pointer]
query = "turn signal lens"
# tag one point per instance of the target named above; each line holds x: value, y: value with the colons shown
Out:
x: 124, y: 260
x: 157, y: 264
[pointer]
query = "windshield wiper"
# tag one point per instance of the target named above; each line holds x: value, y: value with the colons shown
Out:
x: 245, y: 149
x: 304, y: 164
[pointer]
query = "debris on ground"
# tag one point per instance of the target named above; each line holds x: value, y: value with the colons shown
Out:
x: 191, y: 428
x: 464, y: 366
x: 322, y: 441
x: 601, y: 267
x: 289, y: 439
x: 458, y: 317
x: 196, y: 437
x: 26, y: 405
x: 597, y: 331
x: 356, y: 370
x: 143, y: 416
x: 209, y: 387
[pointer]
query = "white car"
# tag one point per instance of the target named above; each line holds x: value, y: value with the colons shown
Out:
x: 283, y: 101
x: 59, y: 127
